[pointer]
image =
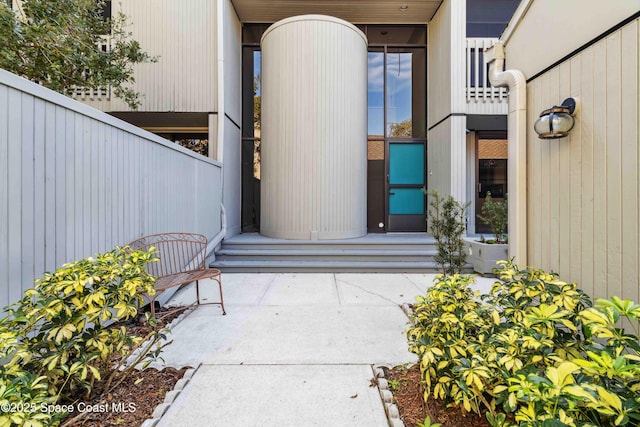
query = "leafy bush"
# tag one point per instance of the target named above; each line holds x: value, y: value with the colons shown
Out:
x: 447, y: 224
x: 534, y: 349
x: 55, y: 341
x: 496, y: 216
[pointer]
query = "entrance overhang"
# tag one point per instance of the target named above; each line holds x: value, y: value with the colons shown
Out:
x: 355, y: 11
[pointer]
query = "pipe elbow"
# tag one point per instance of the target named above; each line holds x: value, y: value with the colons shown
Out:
x: 513, y: 79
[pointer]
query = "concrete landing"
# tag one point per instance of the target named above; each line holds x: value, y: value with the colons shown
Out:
x: 293, y: 349
x: 285, y: 396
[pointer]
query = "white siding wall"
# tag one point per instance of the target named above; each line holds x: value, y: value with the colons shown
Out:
x: 232, y: 113
x: 583, y: 191
x: 439, y: 158
x: 446, y: 74
x: 183, y: 36
x: 314, y: 129
x: 551, y: 29
x: 439, y: 64
x: 75, y: 181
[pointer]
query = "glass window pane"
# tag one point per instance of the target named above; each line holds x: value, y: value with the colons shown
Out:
x: 399, y: 77
x: 375, y: 93
x: 406, y: 201
x: 406, y: 164
x: 256, y: 93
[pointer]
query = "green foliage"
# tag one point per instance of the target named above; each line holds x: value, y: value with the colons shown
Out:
x: 496, y: 216
x: 404, y: 129
x: 427, y: 423
x: 533, y: 349
x: 55, y: 44
x: 55, y: 341
x: 447, y: 224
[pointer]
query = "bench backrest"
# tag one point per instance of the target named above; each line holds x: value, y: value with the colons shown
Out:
x: 177, y: 252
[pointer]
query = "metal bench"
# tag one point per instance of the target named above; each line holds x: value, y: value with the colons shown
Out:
x: 182, y: 258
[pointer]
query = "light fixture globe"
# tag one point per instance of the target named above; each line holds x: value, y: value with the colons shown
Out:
x: 556, y: 122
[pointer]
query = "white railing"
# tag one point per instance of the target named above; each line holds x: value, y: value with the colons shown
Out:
x: 479, y: 90
x: 82, y: 93
x: 75, y: 181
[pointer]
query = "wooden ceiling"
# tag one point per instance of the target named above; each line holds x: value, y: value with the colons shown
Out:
x: 354, y: 11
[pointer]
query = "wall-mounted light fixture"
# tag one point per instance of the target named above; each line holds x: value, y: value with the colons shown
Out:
x: 557, y: 121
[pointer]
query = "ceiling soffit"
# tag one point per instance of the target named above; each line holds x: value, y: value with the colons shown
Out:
x: 354, y: 11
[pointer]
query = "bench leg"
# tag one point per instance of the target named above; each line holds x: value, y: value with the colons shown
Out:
x: 153, y: 306
x: 219, y: 280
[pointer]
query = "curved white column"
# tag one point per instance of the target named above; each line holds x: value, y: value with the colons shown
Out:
x: 313, y: 129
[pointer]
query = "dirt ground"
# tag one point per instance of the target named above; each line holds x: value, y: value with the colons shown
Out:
x: 407, y: 393
x: 133, y: 400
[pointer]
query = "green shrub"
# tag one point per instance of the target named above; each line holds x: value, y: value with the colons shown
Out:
x: 496, y: 216
x: 447, y: 224
x: 533, y: 349
x: 55, y: 341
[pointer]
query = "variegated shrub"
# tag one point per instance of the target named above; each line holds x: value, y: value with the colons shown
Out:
x: 55, y: 343
x: 533, y: 349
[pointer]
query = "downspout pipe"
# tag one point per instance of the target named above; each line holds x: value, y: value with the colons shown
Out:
x: 213, y: 243
x: 517, y: 149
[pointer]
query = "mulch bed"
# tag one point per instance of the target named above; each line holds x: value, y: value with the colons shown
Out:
x: 134, y: 400
x: 408, y: 396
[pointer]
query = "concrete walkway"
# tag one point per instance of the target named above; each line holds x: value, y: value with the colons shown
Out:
x: 293, y: 349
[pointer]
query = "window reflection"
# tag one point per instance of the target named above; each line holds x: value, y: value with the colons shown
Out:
x: 256, y: 94
x: 397, y: 93
x: 399, y: 78
x: 376, y: 94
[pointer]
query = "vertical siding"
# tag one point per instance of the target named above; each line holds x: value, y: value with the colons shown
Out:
x: 232, y: 116
x: 583, y: 195
x: 446, y: 74
x: 232, y: 38
x: 314, y: 130
x: 439, y: 158
x: 182, y: 35
x: 74, y: 181
x: 439, y: 70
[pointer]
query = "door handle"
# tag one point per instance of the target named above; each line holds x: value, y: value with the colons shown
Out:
x: 391, y: 194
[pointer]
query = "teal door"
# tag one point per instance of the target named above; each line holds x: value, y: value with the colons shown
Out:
x: 406, y: 178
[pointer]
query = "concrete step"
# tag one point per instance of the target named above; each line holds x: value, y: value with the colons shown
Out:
x: 377, y: 255
x: 293, y: 266
x: 329, y: 245
x: 402, y: 252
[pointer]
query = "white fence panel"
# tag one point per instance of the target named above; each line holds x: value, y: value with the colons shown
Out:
x: 75, y: 181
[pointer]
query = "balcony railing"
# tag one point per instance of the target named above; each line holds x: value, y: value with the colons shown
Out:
x: 81, y: 93
x: 479, y: 89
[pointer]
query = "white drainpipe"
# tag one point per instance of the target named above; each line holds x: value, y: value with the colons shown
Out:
x: 213, y: 243
x: 517, y: 162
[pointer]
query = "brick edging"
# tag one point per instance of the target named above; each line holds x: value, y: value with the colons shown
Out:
x: 390, y: 408
x: 171, y: 395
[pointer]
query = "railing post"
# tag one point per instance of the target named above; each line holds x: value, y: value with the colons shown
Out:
x: 477, y: 80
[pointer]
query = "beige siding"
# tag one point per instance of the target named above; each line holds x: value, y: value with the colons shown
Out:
x: 182, y: 34
x: 551, y: 29
x: 231, y: 88
x: 314, y: 130
x: 232, y: 39
x: 446, y: 73
x: 446, y: 66
x: 583, y: 198
x: 439, y: 158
